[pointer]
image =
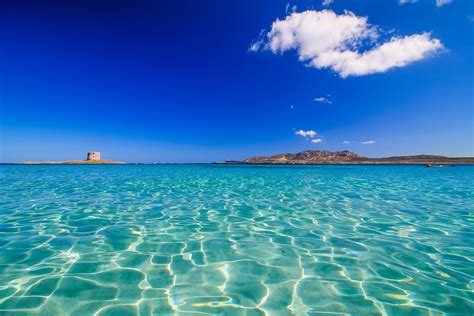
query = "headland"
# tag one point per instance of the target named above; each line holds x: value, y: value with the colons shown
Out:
x: 348, y: 157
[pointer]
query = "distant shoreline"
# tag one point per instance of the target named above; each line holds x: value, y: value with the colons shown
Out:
x: 309, y: 157
x: 365, y: 163
x: 241, y: 163
x: 71, y: 162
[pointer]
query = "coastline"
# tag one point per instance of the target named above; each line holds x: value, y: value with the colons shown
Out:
x: 346, y: 157
x: 72, y: 162
x: 243, y: 163
x: 469, y: 161
x: 308, y: 157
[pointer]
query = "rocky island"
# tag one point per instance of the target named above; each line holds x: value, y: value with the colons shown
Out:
x: 72, y: 162
x: 348, y: 157
x: 93, y: 158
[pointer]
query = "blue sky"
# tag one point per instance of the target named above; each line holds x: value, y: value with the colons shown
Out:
x: 192, y: 81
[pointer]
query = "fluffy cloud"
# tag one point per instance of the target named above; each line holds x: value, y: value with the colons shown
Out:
x: 324, y: 39
x: 407, y: 1
x: 317, y: 140
x: 323, y: 100
x: 346, y: 142
x: 327, y: 2
x: 309, y: 133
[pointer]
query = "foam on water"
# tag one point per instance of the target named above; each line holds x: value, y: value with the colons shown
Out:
x: 236, y: 240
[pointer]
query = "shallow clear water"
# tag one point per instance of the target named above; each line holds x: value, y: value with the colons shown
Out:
x: 236, y: 240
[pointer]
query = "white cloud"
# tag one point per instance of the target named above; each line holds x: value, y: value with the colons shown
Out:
x: 440, y: 3
x: 367, y: 142
x: 309, y: 133
x: 324, y: 39
x: 327, y: 2
x: 317, y: 140
x: 323, y: 100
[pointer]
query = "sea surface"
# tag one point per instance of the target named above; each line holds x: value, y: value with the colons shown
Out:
x: 236, y: 240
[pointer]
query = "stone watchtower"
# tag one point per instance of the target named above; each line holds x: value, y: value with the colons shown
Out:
x: 93, y: 155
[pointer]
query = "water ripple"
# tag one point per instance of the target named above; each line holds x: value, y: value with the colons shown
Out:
x: 236, y: 240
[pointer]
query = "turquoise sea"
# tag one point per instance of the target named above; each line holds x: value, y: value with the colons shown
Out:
x: 236, y: 240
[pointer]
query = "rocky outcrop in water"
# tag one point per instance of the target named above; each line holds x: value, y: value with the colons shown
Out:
x: 308, y: 157
x: 72, y: 162
x: 348, y: 157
